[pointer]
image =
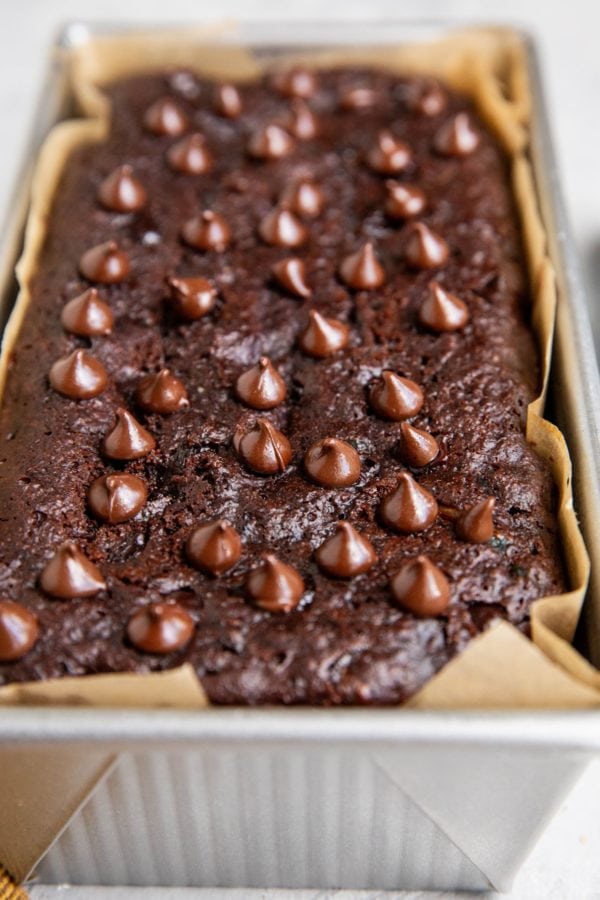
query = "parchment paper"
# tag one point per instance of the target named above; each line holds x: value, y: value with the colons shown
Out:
x: 490, y: 66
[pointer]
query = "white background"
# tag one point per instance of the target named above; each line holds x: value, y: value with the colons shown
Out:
x: 566, y: 863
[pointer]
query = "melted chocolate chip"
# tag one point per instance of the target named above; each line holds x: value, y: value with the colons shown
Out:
x: 332, y: 463
x: 418, y: 448
x: 70, y: 574
x: 290, y: 273
x: 162, y: 393
x: 403, y: 201
x: 19, y: 631
x: 208, y: 231
x: 214, y: 547
x: 421, y: 587
x: 427, y: 98
x: 443, y: 311
x: 425, y: 249
x: 389, y: 155
x: 117, y: 497
x: 227, y: 101
x: 362, y: 271
x: 346, y: 553
x: 409, y: 508
x: 165, y: 117
x: 476, y: 524
x: 122, y: 192
x: 270, y: 142
x: 263, y: 449
x: 261, y: 387
x: 160, y: 628
x: 457, y: 137
x: 303, y: 197
x: 358, y: 97
x: 78, y: 376
x: 281, y: 228
x: 296, y: 82
x: 275, y: 586
x: 127, y: 439
x: 87, y: 315
x: 396, y: 398
x: 192, y: 298
x: 322, y: 337
x: 302, y: 122
x: 105, y: 263
x: 190, y: 155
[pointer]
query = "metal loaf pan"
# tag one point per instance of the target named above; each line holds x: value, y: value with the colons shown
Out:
x: 355, y: 798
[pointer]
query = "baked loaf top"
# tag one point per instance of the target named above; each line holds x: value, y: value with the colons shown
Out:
x: 266, y: 411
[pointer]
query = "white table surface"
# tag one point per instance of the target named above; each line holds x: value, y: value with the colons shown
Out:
x: 565, y: 865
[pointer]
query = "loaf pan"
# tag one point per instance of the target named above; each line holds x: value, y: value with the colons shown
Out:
x: 354, y: 798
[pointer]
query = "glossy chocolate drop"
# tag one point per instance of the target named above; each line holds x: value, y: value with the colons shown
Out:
x: 389, y: 155
x: 214, y: 547
x: 457, y: 137
x: 192, y: 298
x: 476, y: 524
x: 403, y: 201
x: 78, y: 376
x: 270, y: 142
x: 359, y: 97
x: 290, y: 273
x: 443, y: 311
x: 122, y: 192
x: 332, y: 463
x: 117, y: 497
x: 87, y: 315
x: 227, y: 101
x: 275, y: 586
x: 296, y: 82
x: 322, y: 337
x: 261, y: 387
x: 409, y: 508
x: 162, y: 393
x: 127, y: 439
x: 302, y: 122
x: 362, y: 271
x: 105, y: 263
x: 418, y: 448
x: 165, y: 117
x: 421, y: 587
x: 70, y: 574
x: 396, y: 398
x: 425, y: 249
x: 263, y: 449
x: 19, y: 631
x: 281, y: 228
x: 427, y: 98
x: 190, y: 155
x: 346, y: 553
x: 208, y: 231
x: 160, y: 628
x: 304, y: 197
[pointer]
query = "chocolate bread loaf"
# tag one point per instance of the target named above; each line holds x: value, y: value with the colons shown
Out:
x: 266, y: 412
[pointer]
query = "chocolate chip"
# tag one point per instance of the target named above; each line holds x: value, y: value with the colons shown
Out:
x: 70, y: 574
x: 346, y: 553
x: 275, y: 586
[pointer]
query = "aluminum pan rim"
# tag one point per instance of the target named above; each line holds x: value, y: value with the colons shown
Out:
x: 154, y: 729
